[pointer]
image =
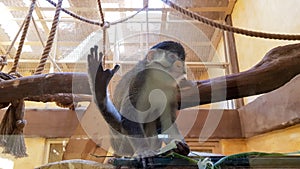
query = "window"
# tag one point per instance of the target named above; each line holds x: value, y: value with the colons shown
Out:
x: 55, y: 149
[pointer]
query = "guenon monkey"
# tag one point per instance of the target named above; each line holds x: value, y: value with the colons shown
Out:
x: 143, y: 112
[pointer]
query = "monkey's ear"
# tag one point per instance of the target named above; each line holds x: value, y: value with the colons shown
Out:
x: 150, y: 55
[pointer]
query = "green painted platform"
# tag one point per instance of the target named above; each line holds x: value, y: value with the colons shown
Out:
x: 275, y: 162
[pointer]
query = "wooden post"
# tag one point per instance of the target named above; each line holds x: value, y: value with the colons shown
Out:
x: 231, y: 53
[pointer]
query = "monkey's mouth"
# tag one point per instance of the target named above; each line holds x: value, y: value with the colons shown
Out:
x: 180, y: 79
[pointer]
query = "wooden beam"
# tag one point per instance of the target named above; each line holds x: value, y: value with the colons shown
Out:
x: 39, y: 85
x: 5, y: 51
x: 41, y: 19
x: 230, y: 7
x: 269, y: 74
x: 218, y: 33
x: 215, y: 39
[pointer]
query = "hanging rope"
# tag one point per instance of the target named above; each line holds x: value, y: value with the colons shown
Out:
x: 41, y: 40
x: 11, y: 129
x: 50, y: 40
x: 95, y: 22
x: 101, y: 12
x: 230, y: 28
x: 22, y: 40
x: 105, y: 25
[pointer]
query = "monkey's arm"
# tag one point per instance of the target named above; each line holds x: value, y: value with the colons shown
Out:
x: 99, y: 80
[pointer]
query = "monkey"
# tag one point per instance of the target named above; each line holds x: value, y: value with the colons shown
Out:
x: 144, y: 103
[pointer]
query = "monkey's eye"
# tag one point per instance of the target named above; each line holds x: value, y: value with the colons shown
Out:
x: 171, y: 57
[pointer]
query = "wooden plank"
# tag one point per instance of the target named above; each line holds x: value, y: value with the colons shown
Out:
x: 41, y: 19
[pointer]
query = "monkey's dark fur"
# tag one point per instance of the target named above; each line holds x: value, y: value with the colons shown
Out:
x: 131, y: 96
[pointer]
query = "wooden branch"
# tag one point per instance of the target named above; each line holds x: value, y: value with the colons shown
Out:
x: 43, y: 87
x: 278, y: 66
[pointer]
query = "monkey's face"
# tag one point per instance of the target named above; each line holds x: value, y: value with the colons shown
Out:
x: 166, y: 61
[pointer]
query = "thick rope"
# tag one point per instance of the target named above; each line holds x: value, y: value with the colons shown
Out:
x: 100, y: 11
x: 22, y: 40
x: 50, y: 40
x: 103, y: 46
x: 104, y: 28
x: 95, y: 22
x: 103, y: 32
x: 41, y: 40
x: 231, y: 28
x: 196, y: 17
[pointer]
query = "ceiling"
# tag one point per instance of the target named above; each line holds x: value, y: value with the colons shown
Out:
x: 126, y: 42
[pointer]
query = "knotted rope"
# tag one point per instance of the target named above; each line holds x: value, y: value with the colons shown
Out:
x: 11, y: 129
x: 12, y: 124
x: 22, y: 40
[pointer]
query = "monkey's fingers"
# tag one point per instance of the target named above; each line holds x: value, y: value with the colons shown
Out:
x: 96, y: 52
x: 92, y: 52
x: 89, y: 58
x: 115, y: 69
x: 100, y: 57
x: 182, y: 148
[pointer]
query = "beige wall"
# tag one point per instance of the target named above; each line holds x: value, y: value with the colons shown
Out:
x: 36, y: 153
x: 280, y: 141
x: 276, y: 16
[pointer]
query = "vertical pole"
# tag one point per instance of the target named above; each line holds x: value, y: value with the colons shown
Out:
x: 230, y: 50
x: 145, y: 3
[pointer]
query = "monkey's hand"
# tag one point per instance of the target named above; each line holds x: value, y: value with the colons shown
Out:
x: 182, y: 148
x: 99, y: 78
x: 177, y: 146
